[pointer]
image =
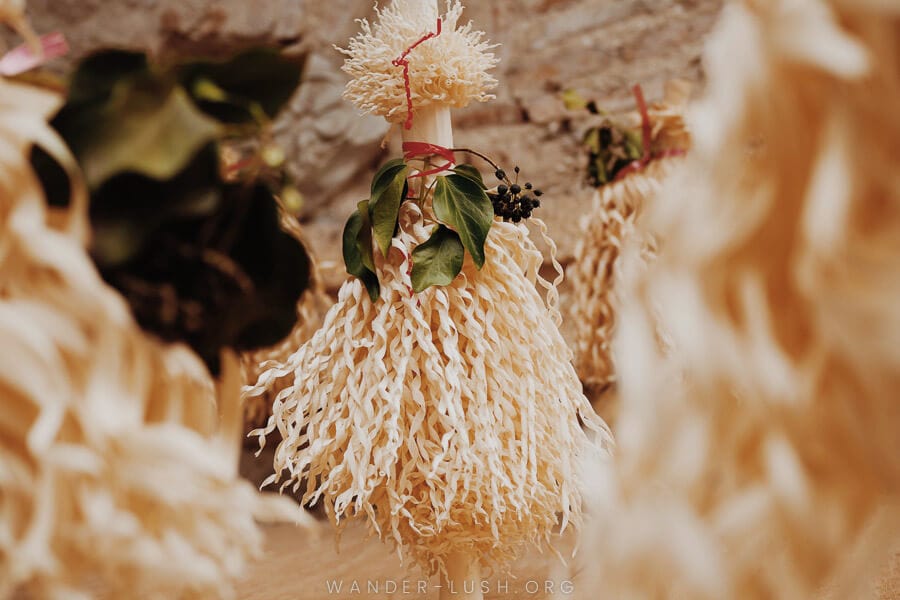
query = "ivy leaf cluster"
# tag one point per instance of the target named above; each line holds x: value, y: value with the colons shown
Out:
x: 464, y: 213
x: 611, y: 146
x: 198, y: 253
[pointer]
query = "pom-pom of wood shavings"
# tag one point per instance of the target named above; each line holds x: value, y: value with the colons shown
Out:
x: 759, y: 457
x: 451, y: 418
x: 118, y: 472
x: 311, y: 308
x: 610, y: 224
x: 450, y: 69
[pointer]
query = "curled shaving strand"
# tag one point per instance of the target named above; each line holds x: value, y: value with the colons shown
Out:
x: 551, y: 287
x: 596, y: 271
x: 759, y: 457
x: 609, y: 227
x: 117, y: 470
x: 449, y: 70
x: 449, y: 418
x: 311, y: 308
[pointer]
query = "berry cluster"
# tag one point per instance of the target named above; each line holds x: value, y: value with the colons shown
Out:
x: 513, y: 202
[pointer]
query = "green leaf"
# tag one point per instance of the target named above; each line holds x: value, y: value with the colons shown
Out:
x: 438, y: 260
x: 199, y: 261
x: 353, y: 259
x: 389, y: 189
x: 385, y: 175
x: 229, y: 279
x: 128, y: 210
x: 592, y: 140
x: 364, y: 237
x: 272, y: 258
x: 573, y: 100
x: 634, y: 145
x: 472, y: 173
x: 462, y: 205
x: 98, y: 74
x: 147, y: 127
x: 262, y: 77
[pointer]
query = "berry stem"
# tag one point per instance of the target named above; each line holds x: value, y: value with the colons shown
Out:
x: 482, y: 157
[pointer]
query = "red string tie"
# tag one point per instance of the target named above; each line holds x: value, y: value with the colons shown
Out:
x: 647, y: 155
x: 403, y: 61
x: 413, y: 150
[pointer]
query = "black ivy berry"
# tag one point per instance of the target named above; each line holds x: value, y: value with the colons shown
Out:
x: 500, y: 174
x: 606, y: 136
x: 512, y: 203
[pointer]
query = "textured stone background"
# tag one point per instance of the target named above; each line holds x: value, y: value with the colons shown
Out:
x: 600, y: 47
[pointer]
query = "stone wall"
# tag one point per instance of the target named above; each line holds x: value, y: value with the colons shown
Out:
x: 599, y: 47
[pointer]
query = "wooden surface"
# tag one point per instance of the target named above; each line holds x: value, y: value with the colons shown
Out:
x: 297, y: 566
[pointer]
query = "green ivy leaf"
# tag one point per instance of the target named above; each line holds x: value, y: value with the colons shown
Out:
x: 389, y: 189
x: 591, y: 140
x: 147, y: 127
x: 277, y: 264
x: 199, y: 260
x: 634, y: 144
x: 462, y: 205
x: 353, y: 258
x: 364, y: 237
x: 573, y: 100
x: 98, y: 74
x: 128, y: 210
x: 438, y: 260
x: 260, y: 78
x: 472, y: 173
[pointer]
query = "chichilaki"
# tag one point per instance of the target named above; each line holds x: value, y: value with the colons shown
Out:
x: 119, y: 453
x: 612, y: 225
x: 451, y: 418
x: 762, y: 456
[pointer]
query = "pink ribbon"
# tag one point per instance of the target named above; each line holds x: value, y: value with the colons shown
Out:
x: 23, y: 58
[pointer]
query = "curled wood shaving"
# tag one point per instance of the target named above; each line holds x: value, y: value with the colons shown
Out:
x: 118, y: 458
x: 759, y: 457
x: 448, y: 70
x: 610, y: 225
x: 451, y: 419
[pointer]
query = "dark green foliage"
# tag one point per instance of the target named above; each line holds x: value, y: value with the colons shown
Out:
x: 610, y: 146
x: 610, y: 149
x: 461, y: 204
x: 199, y: 256
x: 438, y: 260
x: 389, y: 189
x: 357, y: 249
